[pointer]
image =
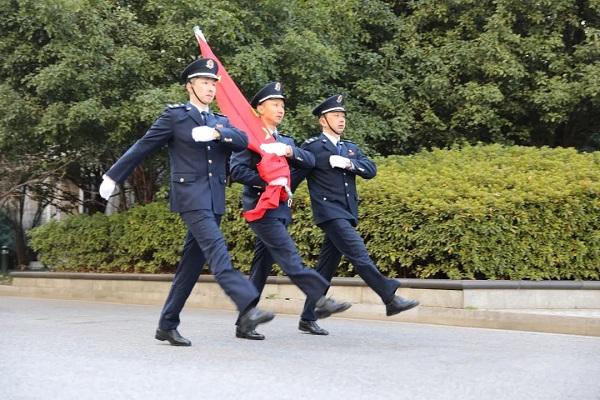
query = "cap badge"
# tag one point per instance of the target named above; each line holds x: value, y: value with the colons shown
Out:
x: 210, y: 64
x: 278, y: 87
x: 339, y: 99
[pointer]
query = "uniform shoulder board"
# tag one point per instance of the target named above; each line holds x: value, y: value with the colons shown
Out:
x: 283, y: 134
x: 311, y: 140
x: 220, y: 115
x: 347, y: 141
x: 178, y: 105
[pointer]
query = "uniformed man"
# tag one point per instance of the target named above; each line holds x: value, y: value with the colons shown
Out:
x: 273, y: 242
x: 200, y: 143
x: 334, y: 200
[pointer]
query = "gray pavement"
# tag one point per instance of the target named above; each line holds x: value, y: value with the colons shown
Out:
x: 56, y: 349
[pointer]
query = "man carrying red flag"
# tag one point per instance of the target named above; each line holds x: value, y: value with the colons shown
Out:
x: 273, y: 241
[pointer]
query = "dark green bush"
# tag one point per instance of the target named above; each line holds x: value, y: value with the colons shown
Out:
x: 486, y: 212
x: 143, y: 239
x: 77, y: 243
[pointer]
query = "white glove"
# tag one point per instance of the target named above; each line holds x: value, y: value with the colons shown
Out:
x: 281, y: 181
x: 203, y: 134
x: 107, y: 187
x: 277, y: 148
x: 340, y: 162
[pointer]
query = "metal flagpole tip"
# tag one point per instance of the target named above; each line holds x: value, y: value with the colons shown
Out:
x: 198, y: 33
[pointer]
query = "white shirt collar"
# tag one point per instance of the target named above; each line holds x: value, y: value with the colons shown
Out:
x: 200, y: 109
x: 272, y: 132
x: 331, y: 138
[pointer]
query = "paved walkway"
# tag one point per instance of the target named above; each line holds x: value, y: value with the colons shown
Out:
x: 54, y: 349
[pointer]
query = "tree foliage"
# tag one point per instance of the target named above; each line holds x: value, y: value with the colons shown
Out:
x: 92, y: 75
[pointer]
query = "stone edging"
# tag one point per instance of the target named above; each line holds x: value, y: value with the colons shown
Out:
x: 404, y: 283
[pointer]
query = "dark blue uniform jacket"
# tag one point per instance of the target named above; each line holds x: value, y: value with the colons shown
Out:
x: 198, y: 169
x: 333, y: 190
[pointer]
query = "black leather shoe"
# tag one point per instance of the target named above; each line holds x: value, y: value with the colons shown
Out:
x: 252, y: 335
x: 311, y: 327
x: 327, y: 306
x: 398, y: 304
x: 172, y: 336
x: 254, y: 317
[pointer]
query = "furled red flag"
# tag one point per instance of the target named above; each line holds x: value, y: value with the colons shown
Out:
x: 232, y: 103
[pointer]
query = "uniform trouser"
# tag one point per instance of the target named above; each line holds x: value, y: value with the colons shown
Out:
x: 262, y: 265
x: 276, y: 245
x: 205, y: 243
x: 341, y: 238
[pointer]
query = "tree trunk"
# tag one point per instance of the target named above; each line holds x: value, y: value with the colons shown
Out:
x: 142, y: 183
x: 21, y: 251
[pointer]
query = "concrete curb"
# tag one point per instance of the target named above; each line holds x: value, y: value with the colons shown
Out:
x: 547, y: 306
x: 337, y: 281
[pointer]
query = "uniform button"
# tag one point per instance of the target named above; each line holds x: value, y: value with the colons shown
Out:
x: 324, y: 198
x: 346, y: 183
x: 210, y: 162
x: 344, y: 173
x: 181, y: 180
x: 347, y: 195
x: 210, y: 174
x: 207, y: 147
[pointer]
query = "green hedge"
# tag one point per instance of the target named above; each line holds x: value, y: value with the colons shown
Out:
x: 144, y: 239
x: 484, y: 212
x: 488, y: 212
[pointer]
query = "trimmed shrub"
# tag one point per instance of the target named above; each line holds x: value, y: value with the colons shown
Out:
x: 477, y: 212
x: 77, y: 243
x: 149, y: 240
x: 143, y: 239
x: 490, y: 212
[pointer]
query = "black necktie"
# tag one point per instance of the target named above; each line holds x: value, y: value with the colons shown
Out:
x: 204, y: 115
x: 340, y: 148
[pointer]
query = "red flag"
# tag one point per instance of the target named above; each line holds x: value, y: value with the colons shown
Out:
x: 232, y: 103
